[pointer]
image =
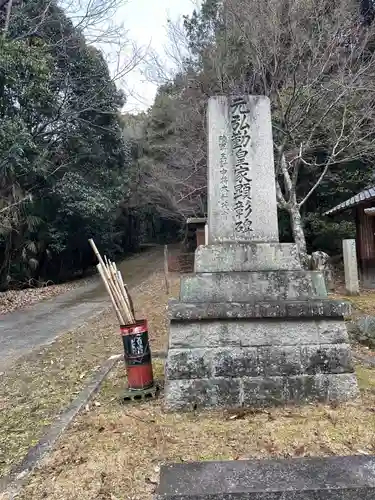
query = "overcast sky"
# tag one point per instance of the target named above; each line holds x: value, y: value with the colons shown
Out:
x: 146, y: 21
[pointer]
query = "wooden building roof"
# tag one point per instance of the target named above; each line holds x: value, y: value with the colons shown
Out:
x: 363, y: 196
x: 196, y: 220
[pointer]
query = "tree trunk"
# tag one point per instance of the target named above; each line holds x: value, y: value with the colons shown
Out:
x: 8, y: 10
x: 298, y: 232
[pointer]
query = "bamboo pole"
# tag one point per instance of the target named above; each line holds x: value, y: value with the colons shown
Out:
x: 126, y: 295
x: 101, y: 261
x: 109, y: 283
x: 130, y: 299
x: 124, y: 305
x: 106, y: 260
x: 115, y: 306
x: 119, y: 295
x: 112, y: 285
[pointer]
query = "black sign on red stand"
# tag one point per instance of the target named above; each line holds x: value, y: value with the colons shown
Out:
x: 137, y: 355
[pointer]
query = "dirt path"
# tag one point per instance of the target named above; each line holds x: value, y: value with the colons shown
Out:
x: 23, y: 331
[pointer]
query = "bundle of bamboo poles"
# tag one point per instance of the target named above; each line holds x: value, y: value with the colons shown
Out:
x: 117, y: 290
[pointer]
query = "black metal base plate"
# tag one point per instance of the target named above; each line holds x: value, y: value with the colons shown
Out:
x: 138, y: 395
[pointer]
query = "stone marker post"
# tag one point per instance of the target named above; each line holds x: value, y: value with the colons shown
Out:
x: 350, y: 267
x: 251, y: 327
x: 241, y: 178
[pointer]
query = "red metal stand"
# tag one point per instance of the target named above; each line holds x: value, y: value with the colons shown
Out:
x: 137, y: 355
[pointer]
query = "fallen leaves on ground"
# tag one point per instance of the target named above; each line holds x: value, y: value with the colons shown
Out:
x: 127, y: 444
x: 362, y: 304
x: 119, y: 447
x: 39, y: 386
x: 13, y: 300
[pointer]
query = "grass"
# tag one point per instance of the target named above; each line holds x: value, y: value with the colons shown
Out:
x: 114, y: 451
x: 39, y: 386
x: 362, y: 304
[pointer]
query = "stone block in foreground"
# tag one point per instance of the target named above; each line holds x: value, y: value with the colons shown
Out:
x: 333, y: 478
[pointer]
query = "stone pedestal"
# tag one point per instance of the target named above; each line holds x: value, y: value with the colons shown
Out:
x: 251, y: 327
x: 332, y: 478
x: 253, y: 338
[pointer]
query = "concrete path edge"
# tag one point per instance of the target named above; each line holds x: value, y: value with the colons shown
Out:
x: 13, y: 482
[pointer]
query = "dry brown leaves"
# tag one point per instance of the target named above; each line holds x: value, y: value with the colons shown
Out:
x: 115, y: 451
x: 13, y: 300
x: 362, y: 304
x: 42, y: 384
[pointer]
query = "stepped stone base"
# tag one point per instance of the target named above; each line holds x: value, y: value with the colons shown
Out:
x: 180, y: 311
x: 252, y: 285
x: 258, y: 331
x: 235, y: 363
x: 265, y: 361
x: 255, y: 392
x: 246, y: 257
x: 333, y: 478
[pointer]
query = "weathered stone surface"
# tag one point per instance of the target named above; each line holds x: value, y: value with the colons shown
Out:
x: 250, y: 392
x: 350, y: 267
x: 263, y: 332
x: 314, y: 308
x: 234, y: 362
x: 189, y: 363
x: 334, y: 358
x: 343, y: 387
x: 277, y: 360
x: 252, y: 286
x: 332, y: 332
x: 278, y: 390
x: 252, y: 327
x: 333, y: 478
x: 246, y: 257
x: 217, y: 362
x: 241, y: 179
x: 191, y: 394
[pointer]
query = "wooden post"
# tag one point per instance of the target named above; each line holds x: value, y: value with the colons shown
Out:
x: 166, y: 272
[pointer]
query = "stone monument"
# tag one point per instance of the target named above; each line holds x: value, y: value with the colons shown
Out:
x: 251, y: 327
x: 350, y: 267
